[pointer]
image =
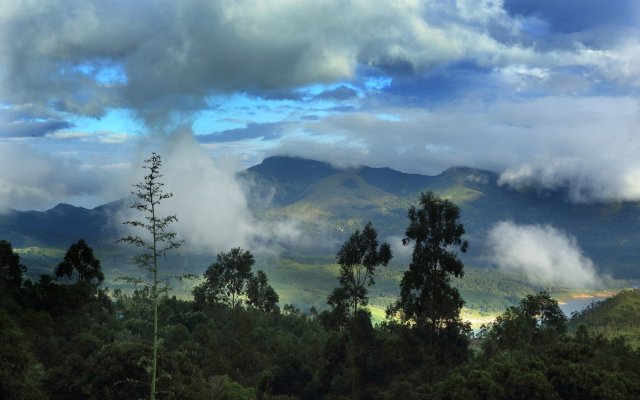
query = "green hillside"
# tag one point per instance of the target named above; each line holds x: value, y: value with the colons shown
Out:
x: 617, y: 316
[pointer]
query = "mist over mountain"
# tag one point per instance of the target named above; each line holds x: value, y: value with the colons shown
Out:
x: 329, y: 203
x: 347, y: 198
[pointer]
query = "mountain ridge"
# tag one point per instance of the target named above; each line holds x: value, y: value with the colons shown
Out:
x: 338, y: 201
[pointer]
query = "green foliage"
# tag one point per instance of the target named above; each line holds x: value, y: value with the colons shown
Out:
x: 358, y: 258
x: 261, y: 295
x: 80, y: 263
x: 98, y: 348
x: 230, y: 281
x: 11, y: 270
x: 224, y: 388
x: 427, y: 298
x: 617, y: 316
x: 537, y: 321
x: 225, y: 281
x: 120, y: 370
x: 18, y: 373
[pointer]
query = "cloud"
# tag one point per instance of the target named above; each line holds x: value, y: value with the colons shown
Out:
x: 490, y: 84
x: 15, y: 123
x: 267, y: 130
x: 587, y: 145
x: 546, y: 256
x: 342, y: 92
x: 209, y: 200
x: 99, y: 137
x: 570, y: 16
x: 32, y: 179
x: 163, y: 58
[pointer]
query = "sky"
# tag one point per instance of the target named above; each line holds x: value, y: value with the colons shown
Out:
x: 543, y: 92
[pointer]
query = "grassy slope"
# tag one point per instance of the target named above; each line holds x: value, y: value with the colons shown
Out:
x: 616, y: 316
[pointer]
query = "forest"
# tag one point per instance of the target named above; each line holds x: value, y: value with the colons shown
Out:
x: 66, y: 336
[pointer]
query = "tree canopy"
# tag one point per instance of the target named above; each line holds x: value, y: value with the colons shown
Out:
x: 427, y: 298
x: 11, y: 270
x: 358, y: 258
x: 80, y: 264
x: 230, y: 280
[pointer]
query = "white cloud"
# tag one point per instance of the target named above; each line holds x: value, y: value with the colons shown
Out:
x: 209, y: 200
x: 588, y: 145
x: 618, y: 63
x: 87, y: 56
x: 31, y: 179
x: 98, y: 137
x: 546, y: 256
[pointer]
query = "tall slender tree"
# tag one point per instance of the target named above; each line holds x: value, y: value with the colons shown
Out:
x: 427, y: 300
x: 358, y: 258
x: 156, y: 243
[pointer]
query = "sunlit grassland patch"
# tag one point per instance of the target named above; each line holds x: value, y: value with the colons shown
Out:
x: 459, y: 194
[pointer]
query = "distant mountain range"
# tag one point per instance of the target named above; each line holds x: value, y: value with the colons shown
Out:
x: 340, y: 200
x: 347, y: 198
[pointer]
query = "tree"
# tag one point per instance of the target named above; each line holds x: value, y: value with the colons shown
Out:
x: 358, y: 258
x: 226, y: 280
x: 158, y: 241
x: 18, y: 367
x: 538, y: 320
x: 261, y: 295
x: 11, y: 270
x: 427, y: 298
x: 80, y: 263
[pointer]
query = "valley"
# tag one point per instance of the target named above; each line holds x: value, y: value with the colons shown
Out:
x: 328, y: 204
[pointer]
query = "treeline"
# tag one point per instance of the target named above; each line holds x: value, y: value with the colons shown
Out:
x: 66, y: 337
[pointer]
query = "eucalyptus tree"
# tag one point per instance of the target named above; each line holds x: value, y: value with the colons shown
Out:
x: 226, y: 280
x: 231, y: 281
x: 427, y: 299
x: 358, y: 258
x: 155, y: 243
x: 80, y: 264
x: 261, y: 295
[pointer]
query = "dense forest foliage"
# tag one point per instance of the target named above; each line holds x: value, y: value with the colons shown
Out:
x: 66, y: 337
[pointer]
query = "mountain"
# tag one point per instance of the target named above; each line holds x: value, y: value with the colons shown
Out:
x: 342, y: 200
x: 334, y: 202
x: 59, y: 226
